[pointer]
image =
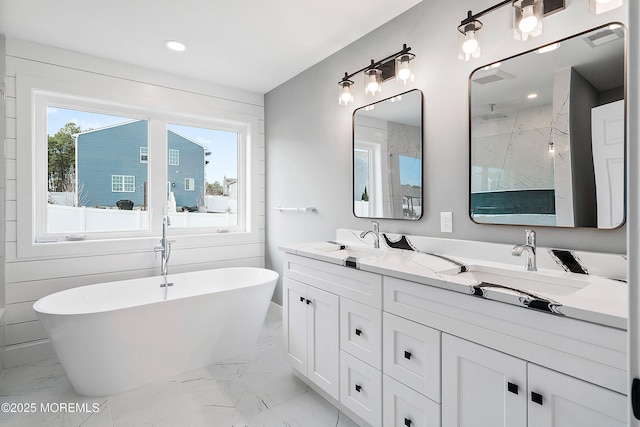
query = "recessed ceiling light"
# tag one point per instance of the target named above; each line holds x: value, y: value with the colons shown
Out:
x: 175, y: 45
x: 548, y: 48
x: 532, y: 96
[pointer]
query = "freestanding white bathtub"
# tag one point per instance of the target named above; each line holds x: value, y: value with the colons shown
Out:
x: 117, y: 336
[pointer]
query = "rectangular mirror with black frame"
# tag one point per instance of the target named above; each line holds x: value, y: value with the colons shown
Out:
x: 387, y: 158
x: 547, y: 134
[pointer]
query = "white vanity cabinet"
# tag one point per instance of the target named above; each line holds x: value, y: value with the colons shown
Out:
x: 484, y: 387
x: 332, y: 322
x: 395, y: 353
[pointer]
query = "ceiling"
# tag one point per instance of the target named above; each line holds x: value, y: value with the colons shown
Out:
x: 254, y: 45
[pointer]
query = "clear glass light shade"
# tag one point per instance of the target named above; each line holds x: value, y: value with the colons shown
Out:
x: 527, y: 19
x: 601, y: 6
x: 345, y: 92
x: 468, y: 44
x: 373, y: 81
x: 403, y: 68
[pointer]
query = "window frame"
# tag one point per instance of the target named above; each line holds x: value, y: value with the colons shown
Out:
x: 174, y: 157
x: 189, y: 184
x: 123, y: 184
x: 114, y: 96
x: 145, y: 154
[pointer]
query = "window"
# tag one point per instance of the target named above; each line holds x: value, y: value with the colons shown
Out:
x: 174, y: 157
x: 212, y: 155
x: 123, y: 183
x: 112, y: 209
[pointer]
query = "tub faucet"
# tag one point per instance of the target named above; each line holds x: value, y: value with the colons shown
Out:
x: 165, y: 245
x: 529, y: 247
x: 375, y: 232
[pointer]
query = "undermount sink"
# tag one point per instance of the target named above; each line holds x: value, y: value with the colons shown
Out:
x: 360, y: 252
x: 527, y: 281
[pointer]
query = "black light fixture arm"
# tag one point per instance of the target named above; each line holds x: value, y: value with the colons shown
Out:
x: 471, y: 18
x: 405, y: 50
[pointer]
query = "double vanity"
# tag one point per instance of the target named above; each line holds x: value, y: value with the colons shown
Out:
x: 420, y: 337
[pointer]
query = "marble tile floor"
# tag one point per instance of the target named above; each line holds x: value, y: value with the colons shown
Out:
x: 257, y: 389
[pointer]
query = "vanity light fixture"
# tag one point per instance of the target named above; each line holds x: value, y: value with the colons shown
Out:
x: 527, y: 18
x: 601, y: 6
x: 346, y: 91
x: 396, y: 65
x: 372, y: 80
x: 527, y: 23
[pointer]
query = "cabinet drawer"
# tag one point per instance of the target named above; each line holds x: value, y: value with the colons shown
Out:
x: 411, y: 354
x: 357, y: 285
x: 361, y: 388
x: 405, y: 407
x: 361, y: 331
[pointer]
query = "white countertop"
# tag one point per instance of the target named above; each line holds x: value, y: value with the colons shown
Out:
x: 587, y: 297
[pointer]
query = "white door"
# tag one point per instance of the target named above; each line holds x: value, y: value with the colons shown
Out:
x: 295, y: 323
x: 563, y: 401
x: 607, y: 128
x: 482, y: 387
x: 324, y: 340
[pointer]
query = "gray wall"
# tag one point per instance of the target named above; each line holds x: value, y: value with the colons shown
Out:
x: 308, y: 135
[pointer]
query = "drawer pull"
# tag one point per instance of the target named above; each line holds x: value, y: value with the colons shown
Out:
x: 536, y: 398
x: 358, y: 332
x: 407, y: 422
x: 513, y: 388
x: 407, y: 355
x: 358, y: 388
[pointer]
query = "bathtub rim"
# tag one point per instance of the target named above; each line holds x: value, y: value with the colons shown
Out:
x: 39, y: 305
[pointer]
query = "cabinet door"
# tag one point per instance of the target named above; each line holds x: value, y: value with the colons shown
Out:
x: 295, y: 309
x: 324, y: 340
x: 558, y: 400
x: 482, y: 387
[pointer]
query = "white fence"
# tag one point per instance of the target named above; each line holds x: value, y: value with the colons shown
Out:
x: 69, y: 219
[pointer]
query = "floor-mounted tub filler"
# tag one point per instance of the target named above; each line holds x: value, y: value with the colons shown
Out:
x: 116, y: 336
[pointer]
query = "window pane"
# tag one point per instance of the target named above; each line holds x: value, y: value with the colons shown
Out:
x: 208, y: 166
x: 96, y: 176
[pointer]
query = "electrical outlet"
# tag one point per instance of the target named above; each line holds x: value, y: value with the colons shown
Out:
x: 446, y: 222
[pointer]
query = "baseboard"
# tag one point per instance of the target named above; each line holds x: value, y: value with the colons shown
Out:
x: 275, y: 310
x: 31, y: 352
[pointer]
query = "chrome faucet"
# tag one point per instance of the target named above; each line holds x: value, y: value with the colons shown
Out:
x: 165, y: 245
x: 529, y: 247
x: 375, y: 232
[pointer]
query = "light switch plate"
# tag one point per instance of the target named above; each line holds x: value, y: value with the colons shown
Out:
x: 446, y: 222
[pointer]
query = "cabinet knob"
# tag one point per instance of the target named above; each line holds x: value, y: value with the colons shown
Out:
x: 358, y: 388
x: 513, y: 388
x: 308, y: 302
x: 301, y: 299
x: 536, y: 398
x: 358, y: 332
x: 407, y: 355
x: 407, y: 422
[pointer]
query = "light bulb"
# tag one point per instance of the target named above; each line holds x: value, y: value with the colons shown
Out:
x: 470, y: 43
x: 346, y: 97
x: 528, y: 21
x: 373, y: 86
